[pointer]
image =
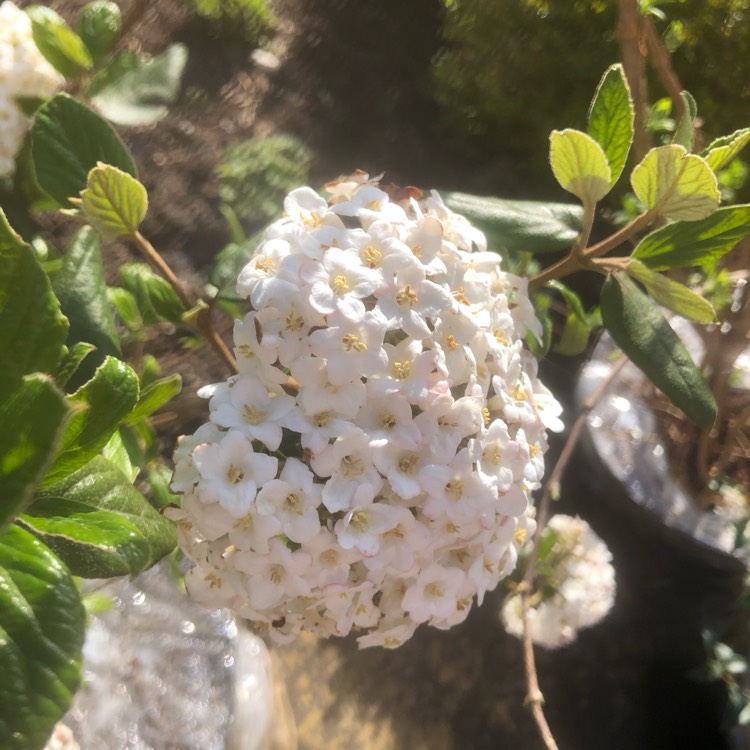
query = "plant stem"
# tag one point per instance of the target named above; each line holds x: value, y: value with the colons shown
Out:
x: 203, y: 323
x: 661, y: 62
x: 577, y: 260
x: 552, y: 489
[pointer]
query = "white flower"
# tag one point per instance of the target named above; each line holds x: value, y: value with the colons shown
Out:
x: 23, y: 73
x: 370, y: 468
x: 582, y: 582
x: 61, y: 739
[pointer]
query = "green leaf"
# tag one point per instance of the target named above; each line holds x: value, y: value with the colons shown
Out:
x: 114, y: 202
x: 514, y: 225
x: 672, y: 183
x: 32, y: 328
x: 644, y: 335
x: 611, y: 118
x: 99, y: 26
x: 68, y: 141
x: 82, y: 290
x: 159, y: 477
x: 32, y: 418
x: 723, y: 150
x: 672, y: 295
x: 157, y: 300
x: 539, y: 348
x: 571, y: 298
x: 69, y: 366
x: 154, y: 396
x: 546, y: 544
x: 575, y: 336
x: 58, y: 43
x: 135, y: 90
x: 684, y: 134
x: 99, y: 524
x: 42, y: 624
x: 127, y: 307
x: 580, y: 165
x: 116, y: 452
x: 695, y: 243
x: 103, y: 403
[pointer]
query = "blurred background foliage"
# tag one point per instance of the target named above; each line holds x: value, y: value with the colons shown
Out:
x: 512, y: 70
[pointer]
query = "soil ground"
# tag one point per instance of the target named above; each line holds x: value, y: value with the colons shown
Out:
x: 354, y: 86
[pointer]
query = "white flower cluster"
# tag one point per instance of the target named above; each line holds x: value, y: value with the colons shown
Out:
x: 23, y: 72
x: 370, y: 468
x: 581, y: 580
x: 61, y: 739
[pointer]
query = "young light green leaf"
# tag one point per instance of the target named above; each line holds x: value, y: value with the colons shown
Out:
x: 723, y: 150
x: 514, y: 225
x: 672, y: 295
x: 611, y: 118
x: 159, y: 477
x: 694, y: 243
x: 684, y: 134
x: 99, y: 26
x: 32, y: 417
x: 127, y: 307
x: 574, y: 338
x: 71, y: 362
x: 571, y: 298
x: 58, y: 43
x: 156, y: 299
x: 580, y: 165
x: 672, y: 183
x: 644, y: 335
x: 113, y: 202
x: 136, y: 91
x: 42, y: 624
x: 82, y: 290
x: 116, y: 452
x: 103, y: 403
x: 67, y: 141
x: 32, y: 328
x: 99, y: 524
x: 154, y: 396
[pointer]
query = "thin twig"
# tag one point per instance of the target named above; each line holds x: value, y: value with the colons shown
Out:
x: 551, y: 489
x: 202, y: 323
x: 629, y: 33
x: 661, y: 62
x: 134, y: 15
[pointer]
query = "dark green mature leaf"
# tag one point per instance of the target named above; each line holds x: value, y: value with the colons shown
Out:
x: 723, y: 150
x: 672, y: 295
x: 519, y: 225
x: 103, y: 403
x: 154, y: 396
x: 68, y: 141
x: 684, y: 134
x: 694, y: 243
x: 99, y: 524
x: 611, y: 118
x: 644, y: 335
x: 135, y: 90
x: 32, y: 418
x: 99, y: 26
x: 113, y: 202
x: 42, y: 624
x: 58, y: 43
x: 32, y: 328
x: 157, y: 300
x: 82, y: 290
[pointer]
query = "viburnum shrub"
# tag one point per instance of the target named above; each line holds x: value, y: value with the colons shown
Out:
x: 370, y: 467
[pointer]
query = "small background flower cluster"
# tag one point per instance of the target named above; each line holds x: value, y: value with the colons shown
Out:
x: 575, y: 585
x: 370, y: 467
x: 23, y: 73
